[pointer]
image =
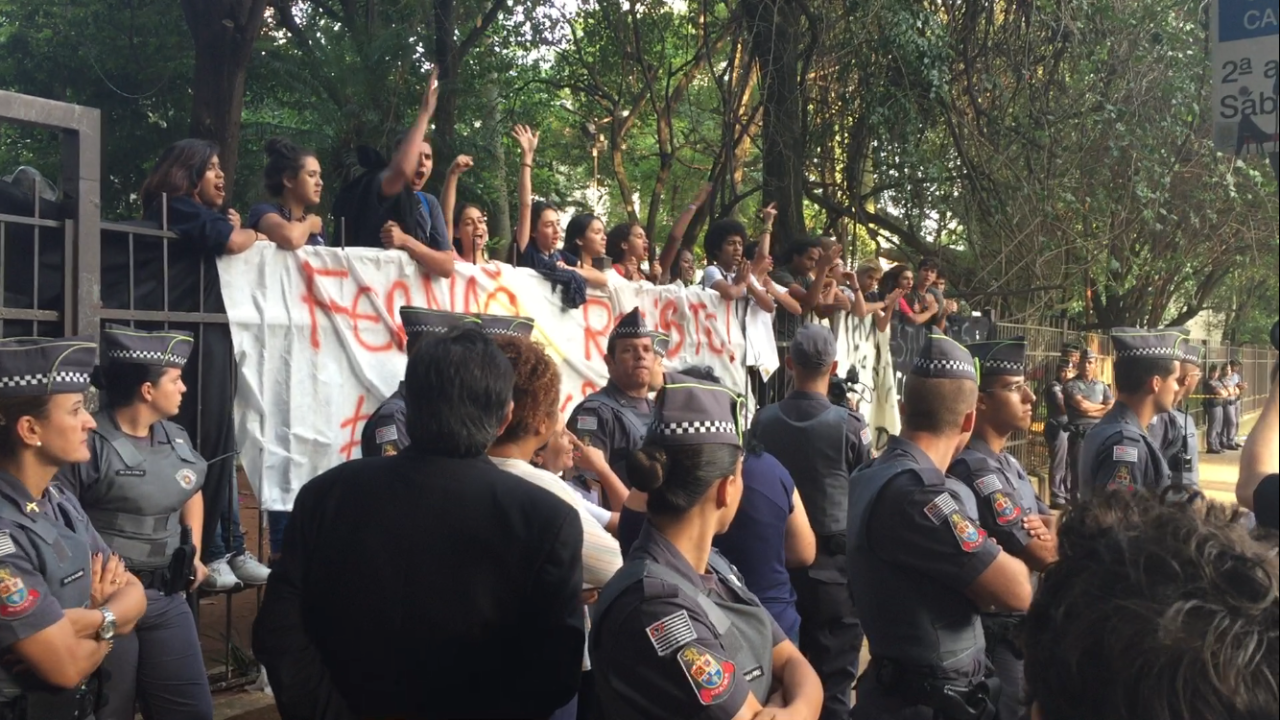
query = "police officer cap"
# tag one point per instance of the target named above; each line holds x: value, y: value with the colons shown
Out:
x: 813, y: 347
x: 1064, y: 363
x: 661, y: 343
x: 162, y: 348
x: 506, y: 325
x: 1000, y: 357
x: 31, y: 367
x: 943, y: 358
x: 1189, y: 353
x: 696, y: 412
x: 1088, y: 354
x: 419, y: 321
x: 630, y: 327
x: 1157, y: 343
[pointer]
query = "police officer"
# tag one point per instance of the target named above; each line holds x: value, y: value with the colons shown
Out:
x: 1088, y: 398
x: 1117, y: 453
x: 1231, y: 412
x: 1008, y: 507
x: 1056, y: 433
x: 1215, y: 395
x: 676, y: 634
x: 64, y: 598
x: 820, y: 444
x: 615, y: 419
x: 920, y: 564
x: 1174, y: 432
x: 384, y: 432
x: 141, y: 490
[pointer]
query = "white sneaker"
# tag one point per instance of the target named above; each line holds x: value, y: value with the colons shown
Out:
x: 220, y: 578
x: 248, y: 570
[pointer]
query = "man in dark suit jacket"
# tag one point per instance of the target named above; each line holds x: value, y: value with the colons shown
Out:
x: 428, y: 584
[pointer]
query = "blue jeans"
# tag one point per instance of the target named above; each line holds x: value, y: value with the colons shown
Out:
x: 277, y: 520
x: 225, y: 533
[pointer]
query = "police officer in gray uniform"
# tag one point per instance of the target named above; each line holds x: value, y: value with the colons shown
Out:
x: 1056, y: 432
x: 1231, y: 411
x: 821, y: 444
x: 676, y: 633
x: 1117, y: 453
x: 64, y: 599
x: 1174, y: 432
x: 1215, y: 395
x: 1088, y: 399
x: 141, y: 489
x: 1008, y: 507
x: 385, y: 433
x: 920, y: 563
x: 616, y: 418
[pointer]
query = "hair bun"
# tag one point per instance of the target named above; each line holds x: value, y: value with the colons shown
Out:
x: 282, y: 147
x: 647, y: 468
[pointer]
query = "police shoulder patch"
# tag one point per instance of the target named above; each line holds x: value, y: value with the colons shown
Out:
x: 16, y: 599
x: 588, y: 422
x: 1121, y: 479
x: 970, y: 535
x: 1124, y: 453
x: 389, y: 449
x: 1006, y: 510
x: 6, y: 544
x: 186, y: 477
x: 671, y: 632
x: 986, y: 485
x: 386, y: 434
x: 712, y: 676
x: 865, y: 435
x: 940, y: 508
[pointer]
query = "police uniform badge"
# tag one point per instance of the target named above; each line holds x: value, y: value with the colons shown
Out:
x: 16, y: 600
x: 389, y: 449
x: 386, y: 434
x: 1007, y: 511
x: 1121, y: 479
x: 186, y: 477
x: 970, y: 536
x: 712, y: 677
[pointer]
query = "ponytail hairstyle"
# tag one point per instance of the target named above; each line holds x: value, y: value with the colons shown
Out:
x: 121, y: 383
x: 284, y: 160
x: 678, y: 477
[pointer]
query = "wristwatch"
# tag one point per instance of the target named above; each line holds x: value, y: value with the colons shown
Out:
x: 108, y: 627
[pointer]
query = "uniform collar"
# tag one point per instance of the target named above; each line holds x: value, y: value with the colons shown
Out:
x: 655, y: 546
x: 806, y: 395
x: 1125, y: 414
x: 902, y: 445
x: 982, y: 448
x: 13, y: 489
x: 625, y: 400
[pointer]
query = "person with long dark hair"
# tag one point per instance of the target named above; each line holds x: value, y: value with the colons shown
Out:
x: 585, y: 240
x: 677, y: 633
x: 186, y: 190
x: 141, y: 488
x: 628, y: 245
x: 292, y: 179
x: 64, y: 597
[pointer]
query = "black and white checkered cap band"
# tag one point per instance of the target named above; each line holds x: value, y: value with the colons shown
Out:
x: 416, y: 329
x: 1151, y: 352
x: 1002, y: 365
x: 147, y: 357
x: 45, y: 380
x: 698, y: 427
x: 929, y: 364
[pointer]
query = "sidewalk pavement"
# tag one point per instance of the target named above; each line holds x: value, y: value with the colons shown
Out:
x: 1219, y: 473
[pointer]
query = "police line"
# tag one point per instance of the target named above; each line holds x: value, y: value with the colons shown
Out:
x: 318, y: 345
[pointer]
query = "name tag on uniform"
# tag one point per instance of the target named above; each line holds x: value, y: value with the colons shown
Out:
x: 753, y: 673
x: 72, y: 577
x: 132, y: 472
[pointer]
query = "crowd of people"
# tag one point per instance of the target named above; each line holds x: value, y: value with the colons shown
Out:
x: 650, y: 553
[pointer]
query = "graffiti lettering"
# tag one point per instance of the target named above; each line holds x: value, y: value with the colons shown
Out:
x: 355, y: 424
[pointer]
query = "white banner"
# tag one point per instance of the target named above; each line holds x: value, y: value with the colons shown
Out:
x: 319, y: 345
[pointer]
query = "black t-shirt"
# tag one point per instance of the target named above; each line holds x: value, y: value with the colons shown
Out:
x: 1266, y: 502
x: 361, y: 210
x: 203, y: 234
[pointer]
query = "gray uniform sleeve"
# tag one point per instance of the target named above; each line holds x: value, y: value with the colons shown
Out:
x: 999, y: 511
x: 860, y: 438
x: 26, y: 605
x: 595, y: 425
x: 387, y: 432
x: 1122, y: 463
x: 1107, y: 397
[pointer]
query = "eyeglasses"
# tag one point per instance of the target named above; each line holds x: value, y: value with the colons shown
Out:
x: 1017, y: 389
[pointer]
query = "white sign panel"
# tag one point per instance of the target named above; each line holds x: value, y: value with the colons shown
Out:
x: 1246, y: 52
x: 319, y: 345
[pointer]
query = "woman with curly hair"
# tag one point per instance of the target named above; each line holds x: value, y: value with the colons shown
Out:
x: 535, y: 419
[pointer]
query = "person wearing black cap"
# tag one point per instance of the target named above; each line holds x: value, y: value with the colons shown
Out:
x: 1088, y: 399
x: 820, y: 444
x: 676, y: 634
x: 428, y: 584
x: 615, y: 419
x: 920, y: 563
x: 64, y: 597
x: 1117, y: 453
x: 141, y: 489
x: 1055, y: 433
x: 1174, y: 432
x: 1008, y: 508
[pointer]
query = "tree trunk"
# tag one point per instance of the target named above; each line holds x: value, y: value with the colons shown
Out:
x: 447, y: 61
x: 500, y: 212
x: 223, y: 32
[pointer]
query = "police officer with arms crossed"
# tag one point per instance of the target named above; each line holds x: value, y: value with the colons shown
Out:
x: 64, y: 597
x: 1008, y: 507
x: 385, y: 432
x: 820, y: 444
x: 1117, y: 453
x: 616, y: 417
x: 1088, y: 399
x: 1231, y: 412
x: 920, y: 565
x: 1174, y: 432
x: 141, y: 489
x: 676, y: 634
x: 1214, y: 405
x: 1056, y: 432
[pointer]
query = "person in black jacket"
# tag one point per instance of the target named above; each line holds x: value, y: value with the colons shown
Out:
x: 428, y: 584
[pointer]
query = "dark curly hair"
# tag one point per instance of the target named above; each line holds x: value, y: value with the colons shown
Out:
x: 1158, y: 610
x: 536, y: 391
x: 284, y: 160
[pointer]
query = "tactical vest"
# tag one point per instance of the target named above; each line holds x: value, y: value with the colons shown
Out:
x: 814, y: 452
x: 908, y: 617
x: 634, y: 424
x: 61, y: 556
x: 137, y: 500
x: 745, y: 630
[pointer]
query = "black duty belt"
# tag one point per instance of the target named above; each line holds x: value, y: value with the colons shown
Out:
x: 976, y: 699
x: 833, y: 544
x: 75, y: 704
x: 1079, y: 430
x: 1004, y: 628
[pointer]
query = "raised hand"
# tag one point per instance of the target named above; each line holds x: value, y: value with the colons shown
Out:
x: 461, y: 164
x: 528, y: 139
x: 431, y: 95
x: 768, y: 214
